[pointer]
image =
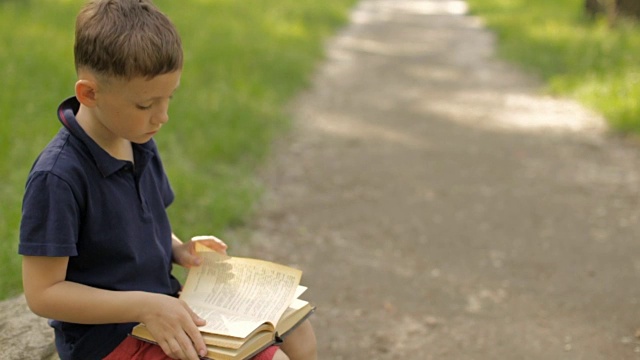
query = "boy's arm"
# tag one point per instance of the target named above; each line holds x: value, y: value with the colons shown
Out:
x: 170, y: 320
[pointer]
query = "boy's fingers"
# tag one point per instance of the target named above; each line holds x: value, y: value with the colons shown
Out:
x: 189, y: 345
x: 172, y: 349
x: 211, y: 242
x: 194, y: 334
x: 196, y: 319
x: 195, y: 341
x: 192, y: 247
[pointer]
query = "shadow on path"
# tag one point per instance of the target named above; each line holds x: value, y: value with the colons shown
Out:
x: 442, y: 209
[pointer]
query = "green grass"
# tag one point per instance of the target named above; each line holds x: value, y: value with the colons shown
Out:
x: 576, y: 57
x: 244, y: 60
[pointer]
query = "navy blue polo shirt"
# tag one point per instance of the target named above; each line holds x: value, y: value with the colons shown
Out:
x: 107, y: 215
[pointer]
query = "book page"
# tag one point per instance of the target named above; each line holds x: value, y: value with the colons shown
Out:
x: 235, y: 295
x: 299, y: 291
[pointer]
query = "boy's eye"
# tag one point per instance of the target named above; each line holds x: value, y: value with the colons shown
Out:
x: 142, y: 106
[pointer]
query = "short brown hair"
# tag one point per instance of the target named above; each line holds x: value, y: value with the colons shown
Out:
x: 126, y: 39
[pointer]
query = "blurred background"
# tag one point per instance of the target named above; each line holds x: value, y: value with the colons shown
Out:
x: 245, y: 60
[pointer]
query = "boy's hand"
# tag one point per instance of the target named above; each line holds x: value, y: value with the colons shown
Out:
x: 184, y: 254
x: 175, y: 327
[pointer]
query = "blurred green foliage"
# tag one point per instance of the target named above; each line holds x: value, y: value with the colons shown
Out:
x: 576, y: 56
x: 244, y: 60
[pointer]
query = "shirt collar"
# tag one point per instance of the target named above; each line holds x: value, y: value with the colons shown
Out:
x: 106, y: 163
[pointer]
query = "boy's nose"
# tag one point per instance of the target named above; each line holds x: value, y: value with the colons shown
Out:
x: 161, y: 118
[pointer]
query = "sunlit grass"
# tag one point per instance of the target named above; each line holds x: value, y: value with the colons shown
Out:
x: 587, y: 60
x: 243, y: 61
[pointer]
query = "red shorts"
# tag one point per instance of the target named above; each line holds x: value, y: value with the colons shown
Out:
x: 134, y: 349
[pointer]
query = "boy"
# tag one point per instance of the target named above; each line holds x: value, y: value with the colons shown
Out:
x: 96, y: 242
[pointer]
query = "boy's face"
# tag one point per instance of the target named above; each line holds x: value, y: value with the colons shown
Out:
x: 135, y: 109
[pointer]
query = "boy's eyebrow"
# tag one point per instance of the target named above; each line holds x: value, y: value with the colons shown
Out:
x: 160, y: 97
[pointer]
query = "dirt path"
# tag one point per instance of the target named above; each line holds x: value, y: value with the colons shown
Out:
x: 442, y: 209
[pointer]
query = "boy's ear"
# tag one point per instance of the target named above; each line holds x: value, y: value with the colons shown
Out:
x: 86, y: 92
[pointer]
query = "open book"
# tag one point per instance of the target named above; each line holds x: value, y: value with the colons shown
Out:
x: 248, y: 304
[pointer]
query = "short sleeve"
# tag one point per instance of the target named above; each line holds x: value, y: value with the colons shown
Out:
x: 50, y: 217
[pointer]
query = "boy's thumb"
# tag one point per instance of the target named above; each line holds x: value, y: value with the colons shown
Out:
x: 198, y: 320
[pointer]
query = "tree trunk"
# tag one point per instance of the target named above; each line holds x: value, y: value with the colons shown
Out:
x: 613, y: 9
x: 593, y: 8
x: 628, y: 8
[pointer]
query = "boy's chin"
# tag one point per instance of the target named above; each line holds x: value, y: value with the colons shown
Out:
x: 142, y: 139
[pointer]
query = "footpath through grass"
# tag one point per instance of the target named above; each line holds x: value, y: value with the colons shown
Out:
x: 244, y: 61
x: 583, y: 59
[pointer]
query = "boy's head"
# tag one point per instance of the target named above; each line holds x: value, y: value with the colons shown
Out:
x: 126, y: 39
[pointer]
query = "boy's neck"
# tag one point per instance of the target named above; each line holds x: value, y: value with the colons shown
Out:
x: 117, y: 147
